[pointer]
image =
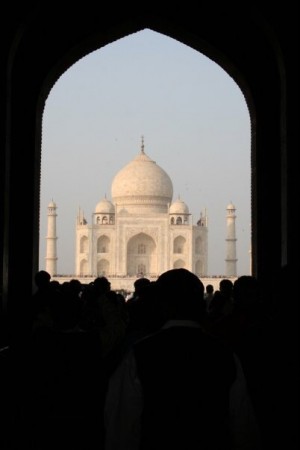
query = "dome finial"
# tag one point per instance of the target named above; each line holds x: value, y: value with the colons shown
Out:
x: 142, y: 146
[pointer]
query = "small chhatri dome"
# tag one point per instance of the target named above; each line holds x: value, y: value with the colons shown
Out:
x: 230, y: 206
x: 142, y: 182
x: 52, y: 204
x: 105, y: 207
x: 179, y: 207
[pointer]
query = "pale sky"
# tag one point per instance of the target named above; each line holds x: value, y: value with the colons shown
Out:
x: 195, y: 123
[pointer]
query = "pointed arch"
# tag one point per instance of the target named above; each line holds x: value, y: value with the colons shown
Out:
x: 179, y: 245
x: 103, y: 244
x: 179, y: 264
x: 141, y: 253
x: 84, y: 244
x: 103, y: 267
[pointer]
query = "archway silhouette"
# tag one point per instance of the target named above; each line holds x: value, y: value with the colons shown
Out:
x: 251, y: 50
x: 256, y: 45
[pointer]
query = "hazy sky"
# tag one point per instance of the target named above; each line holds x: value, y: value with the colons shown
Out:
x: 195, y: 124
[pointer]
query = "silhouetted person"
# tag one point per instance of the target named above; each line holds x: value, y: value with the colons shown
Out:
x: 42, y: 301
x: 67, y: 378
x: 221, y: 303
x: 179, y: 387
x: 134, y: 305
x: 209, y: 293
x: 250, y: 334
x: 104, y: 313
x: 260, y: 347
x: 144, y: 314
x: 138, y: 285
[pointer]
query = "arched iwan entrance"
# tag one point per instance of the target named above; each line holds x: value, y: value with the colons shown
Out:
x: 141, y: 255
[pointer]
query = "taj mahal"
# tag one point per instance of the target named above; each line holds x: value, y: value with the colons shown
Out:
x: 141, y: 231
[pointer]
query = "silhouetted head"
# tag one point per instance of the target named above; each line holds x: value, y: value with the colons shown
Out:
x: 76, y: 286
x: 226, y: 286
x: 246, y: 292
x: 101, y: 285
x: 181, y: 293
x: 140, y: 283
x: 42, y: 279
x: 209, y: 289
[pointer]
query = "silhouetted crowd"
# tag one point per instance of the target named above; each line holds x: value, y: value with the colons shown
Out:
x: 176, y: 364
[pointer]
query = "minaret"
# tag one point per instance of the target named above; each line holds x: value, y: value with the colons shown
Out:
x: 231, y: 242
x: 51, y: 253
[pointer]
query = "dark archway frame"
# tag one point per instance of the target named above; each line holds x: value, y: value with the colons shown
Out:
x: 40, y: 51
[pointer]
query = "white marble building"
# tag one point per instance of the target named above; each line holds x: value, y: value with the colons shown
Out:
x: 141, y: 231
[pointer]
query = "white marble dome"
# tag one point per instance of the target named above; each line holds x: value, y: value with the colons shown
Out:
x: 179, y: 207
x: 105, y: 207
x: 142, y: 184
